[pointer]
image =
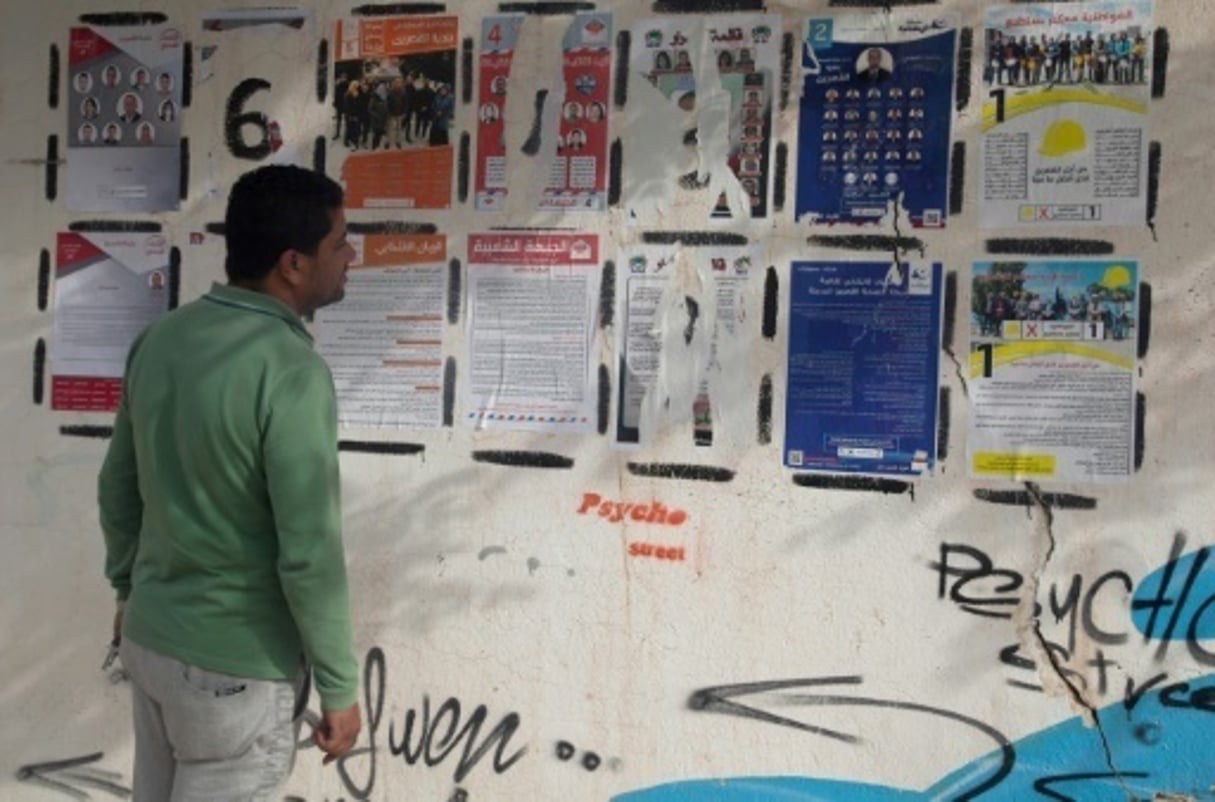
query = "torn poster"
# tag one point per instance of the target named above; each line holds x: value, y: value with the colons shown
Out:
x: 394, y: 85
x: 1065, y: 138
x: 1052, y: 370
x: 679, y: 345
x: 108, y: 287
x: 384, y: 340
x: 123, y: 118
x: 864, y: 343
x: 499, y: 36
x: 738, y: 54
x: 876, y: 107
x: 578, y: 173
x: 531, y: 302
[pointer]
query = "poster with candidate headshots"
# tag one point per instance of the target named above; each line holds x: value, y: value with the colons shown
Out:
x: 1067, y: 89
x: 874, y: 121
x: 124, y: 119
x: 499, y: 35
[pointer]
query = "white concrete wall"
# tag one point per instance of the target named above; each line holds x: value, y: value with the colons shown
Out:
x: 559, y: 635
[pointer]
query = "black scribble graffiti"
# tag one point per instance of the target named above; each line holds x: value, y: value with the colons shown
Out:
x: 1043, y: 784
x: 64, y: 775
x: 720, y: 700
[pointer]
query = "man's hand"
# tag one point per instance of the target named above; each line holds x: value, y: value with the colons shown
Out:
x: 338, y: 731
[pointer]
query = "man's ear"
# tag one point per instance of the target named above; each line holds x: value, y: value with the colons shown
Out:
x: 288, y: 267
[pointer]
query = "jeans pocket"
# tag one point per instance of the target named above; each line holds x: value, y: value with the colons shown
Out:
x: 213, y: 683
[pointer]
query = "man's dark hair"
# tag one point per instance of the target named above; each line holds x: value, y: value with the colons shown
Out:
x: 273, y: 209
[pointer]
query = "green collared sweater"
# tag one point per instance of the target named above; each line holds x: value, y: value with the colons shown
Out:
x: 220, y: 496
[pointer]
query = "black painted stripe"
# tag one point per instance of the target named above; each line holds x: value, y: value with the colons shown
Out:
x: 463, y: 167
x: 449, y: 392
x: 319, y: 154
x: 52, y: 88
x: 673, y: 470
x: 44, y: 278
x: 39, y: 369
x: 523, y: 459
x: 615, y: 172
x: 392, y: 227
x: 605, y: 398
x: 187, y: 74
x: 867, y: 484
x: 395, y: 9
x: 787, y: 50
x: 764, y: 411
x: 957, y: 178
x: 694, y: 239
x: 52, y: 167
x: 878, y: 3
x: 780, y: 174
x: 1144, y: 323
x: 531, y: 145
x: 607, y: 295
x: 767, y: 327
x: 886, y: 243
x: 1153, y: 187
x: 183, y: 169
x: 113, y: 18
x: 544, y: 9
x: 174, y: 276
x: 943, y: 426
x: 111, y: 226
x: 322, y: 70
x: 455, y: 279
x: 467, y: 70
x: 966, y: 44
x: 85, y: 430
x: 1140, y: 425
x: 1045, y: 246
x: 705, y: 6
x: 949, y: 321
x: 1021, y: 498
x: 1160, y: 61
x: 620, y: 92
x: 215, y: 228
x: 381, y: 447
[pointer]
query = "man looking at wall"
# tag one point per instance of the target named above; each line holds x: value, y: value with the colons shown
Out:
x: 219, y: 501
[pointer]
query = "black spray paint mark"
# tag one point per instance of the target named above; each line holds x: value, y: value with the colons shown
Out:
x: 466, y: 68
x: 763, y: 413
x: 449, y: 392
x: 943, y: 407
x: 393, y: 227
x: 322, y: 70
x: 721, y: 700
x: 620, y: 90
x: 455, y: 281
x: 88, y: 431
x: 52, y: 89
x: 544, y: 9
x: 44, y: 278
x: 705, y: 6
x: 867, y: 242
x: 607, y: 295
x: 523, y: 459
x: 187, y: 74
x: 691, y: 139
x: 693, y: 239
x: 966, y: 46
x: 779, y: 175
x: 236, y: 119
x: 862, y: 483
x: 1160, y: 61
x: 39, y: 370
x: 174, y: 276
x: 1144, y: 324
x: 1140, y: 436
x: 489, y: 551
x: 115, y: 226
x: 319, y: 153
x: 787, y: 49
x: 76, y: 772
x: 463, y: 167
x: 381, y: 447
x: 183, y: 169
x: 1044, y: 785
x: 1153, y: 187
x: 531, y: 145
x: 116, y: 18
x: 1048, y: 246
x: 767, y: 327
x: 951, y: 309
x: 885, y: 4
x: 605, y: 398
x: 1021, y: 498
x: 615, y: 172
x: 52, y: 167
x: 214, y: 228
x: 957, y: 177
x: 394, y: 9
x: 693, y: 308
x: 671, y: 470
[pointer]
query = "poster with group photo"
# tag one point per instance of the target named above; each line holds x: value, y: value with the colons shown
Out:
x: 1065, y: 139
x: 108, y: 287
x: 531, y: 327
x: 384, y: 340
x: 1052, y: 370
x: 123, y: 119
x: 394, y: 84
x: 874, y: 121
x: 743, y: 50
x: 864, y: 344
x: 499, y: 36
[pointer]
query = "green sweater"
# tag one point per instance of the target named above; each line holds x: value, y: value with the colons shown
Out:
x: 220, y: 496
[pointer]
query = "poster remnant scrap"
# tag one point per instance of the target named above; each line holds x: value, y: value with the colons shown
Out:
x: 874, y: 122
x: 1052, y: 370
x: 108, y: 287
x: 864, y: 343
x: 384, y: 340
x: 1065, y: 138
x: 124, y: 118
x: 531, y: 312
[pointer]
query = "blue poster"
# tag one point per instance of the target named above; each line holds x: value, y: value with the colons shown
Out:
x: 864, y: 340
x: 876, y: 106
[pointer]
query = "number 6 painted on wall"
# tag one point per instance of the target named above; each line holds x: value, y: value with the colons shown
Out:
x: 236, y: 118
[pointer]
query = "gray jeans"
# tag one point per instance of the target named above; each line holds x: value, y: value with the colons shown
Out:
x: 202, y: 735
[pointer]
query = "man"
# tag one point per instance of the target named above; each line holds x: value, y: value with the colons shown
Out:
x: 874, y: 72
x: 130, y: 109
x: 219, y: 500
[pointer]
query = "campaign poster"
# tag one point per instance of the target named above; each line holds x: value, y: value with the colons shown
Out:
x: 731, y: 317
x: 864, y: 343
x: 1064, y: 125
x: 124, y: 119
x: 108, y: 287
x: 1052, y: 370
x: 744, y: 51
x: 531, y: 328
x: 384, y: 340
x: 578, y: 173
x: 874, y: 120
x: 499, y: 36
x: 394, y: 79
